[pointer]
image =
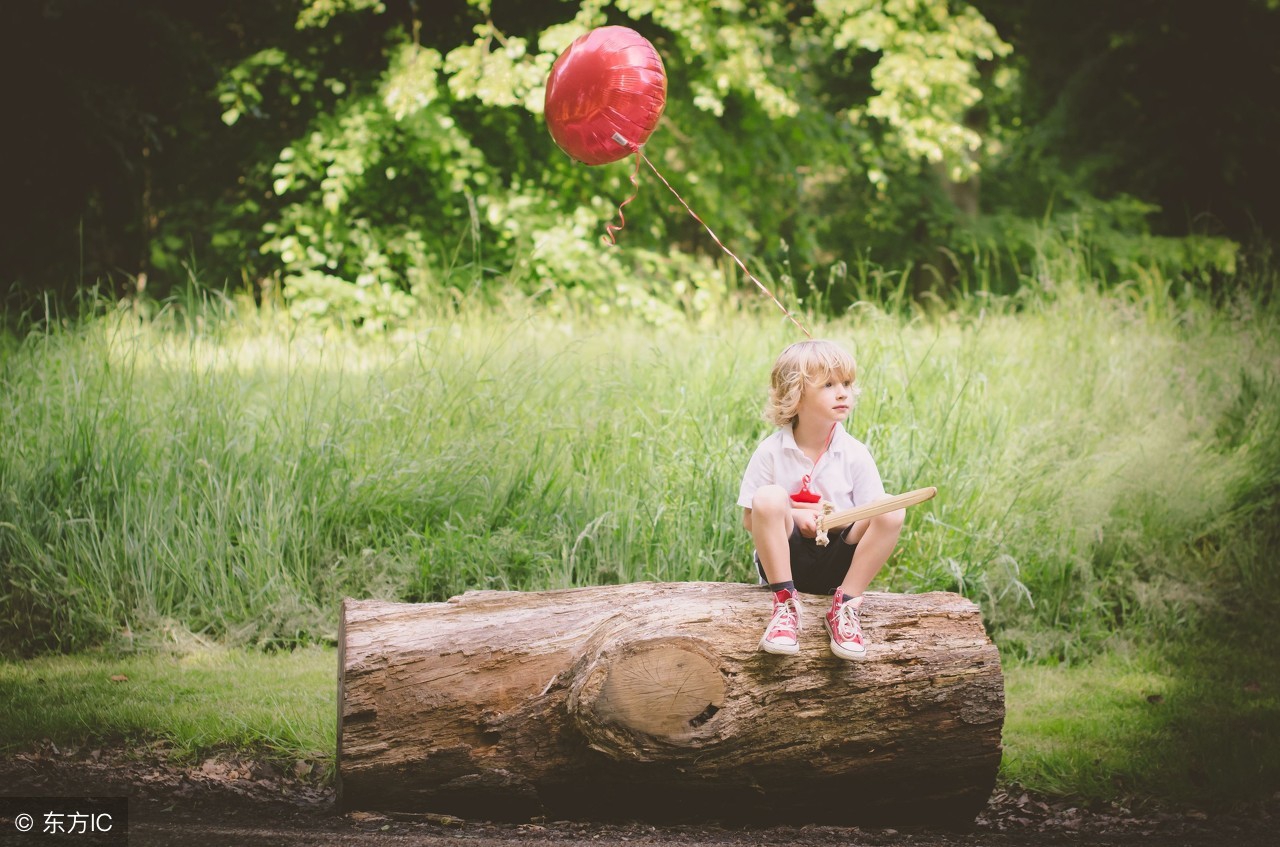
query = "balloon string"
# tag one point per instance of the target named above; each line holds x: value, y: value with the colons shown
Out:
x: 611, y: 228
x: 751, y: 276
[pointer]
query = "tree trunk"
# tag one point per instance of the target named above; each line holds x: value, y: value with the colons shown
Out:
x: 652, y: 701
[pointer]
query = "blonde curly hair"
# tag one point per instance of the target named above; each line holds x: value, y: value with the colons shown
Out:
x: 804, y: 364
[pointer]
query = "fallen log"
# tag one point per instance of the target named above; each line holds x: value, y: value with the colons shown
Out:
x: 651, y: 701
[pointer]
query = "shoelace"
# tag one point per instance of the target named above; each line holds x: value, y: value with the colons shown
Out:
x: 847, y: 621
x: 785, y: 613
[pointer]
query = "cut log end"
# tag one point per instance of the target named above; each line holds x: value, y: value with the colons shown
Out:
x: 638, y: 699
x: 665, y: 692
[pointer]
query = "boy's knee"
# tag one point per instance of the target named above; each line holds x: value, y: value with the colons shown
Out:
x: 890, y: 521
x: 771, y: 500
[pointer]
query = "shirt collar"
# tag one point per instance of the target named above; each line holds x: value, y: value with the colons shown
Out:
x: 837, y: 439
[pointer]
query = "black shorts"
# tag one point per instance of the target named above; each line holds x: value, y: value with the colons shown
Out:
x: 814, y: 569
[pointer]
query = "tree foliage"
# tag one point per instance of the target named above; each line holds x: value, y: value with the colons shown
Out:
x: 849, y: 102
x: 363, y: 154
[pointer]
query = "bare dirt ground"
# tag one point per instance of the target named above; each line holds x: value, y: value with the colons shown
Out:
x: 228, y: 800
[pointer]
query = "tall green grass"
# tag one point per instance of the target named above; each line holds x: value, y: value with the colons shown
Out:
x: 1100, y: 457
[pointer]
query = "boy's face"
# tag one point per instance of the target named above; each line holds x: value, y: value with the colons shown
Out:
x: 828, y: 401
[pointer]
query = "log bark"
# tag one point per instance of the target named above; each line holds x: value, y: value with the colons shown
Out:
x: 651, y: 701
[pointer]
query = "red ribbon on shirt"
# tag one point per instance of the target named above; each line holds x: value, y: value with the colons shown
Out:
x: 805, y: 495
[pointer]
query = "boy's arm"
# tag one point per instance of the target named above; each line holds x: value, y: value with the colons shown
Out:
x: 806, y: 517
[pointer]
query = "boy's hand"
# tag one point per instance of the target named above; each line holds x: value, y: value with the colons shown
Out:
x: 806, y: 518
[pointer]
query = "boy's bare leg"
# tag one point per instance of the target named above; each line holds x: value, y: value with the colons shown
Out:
x: 876, y: 539
x: 770, y: 523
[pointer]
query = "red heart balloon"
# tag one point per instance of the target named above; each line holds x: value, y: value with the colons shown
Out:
x: 605, y: 95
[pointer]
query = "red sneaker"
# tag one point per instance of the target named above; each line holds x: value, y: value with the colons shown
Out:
x: 782, y: 636
x: 842, y: 622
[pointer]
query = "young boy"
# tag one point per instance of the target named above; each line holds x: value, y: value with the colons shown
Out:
x: 812, y: 458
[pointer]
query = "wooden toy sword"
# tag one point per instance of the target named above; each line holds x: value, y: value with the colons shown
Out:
x: 831, y: 518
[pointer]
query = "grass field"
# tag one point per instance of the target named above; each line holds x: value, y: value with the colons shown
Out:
x: 1106, y: 465
x: 1195, y: 730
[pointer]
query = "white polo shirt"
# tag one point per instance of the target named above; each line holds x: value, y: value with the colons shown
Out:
x: 846, y: 475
